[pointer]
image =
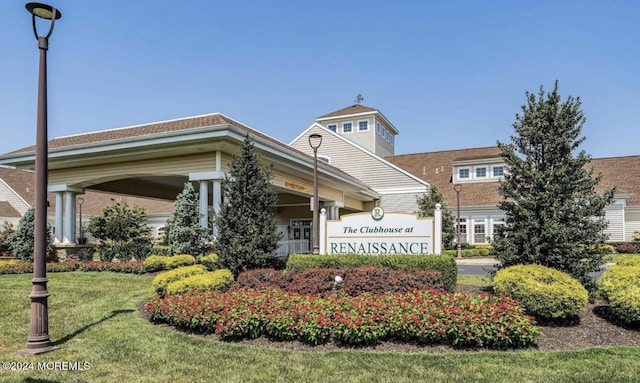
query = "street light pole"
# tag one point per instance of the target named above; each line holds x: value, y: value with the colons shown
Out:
x: 315, y: 140
x: 457, y: 188
x: 38, y: 341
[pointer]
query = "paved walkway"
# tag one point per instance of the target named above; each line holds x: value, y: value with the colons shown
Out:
x: 477, y: 261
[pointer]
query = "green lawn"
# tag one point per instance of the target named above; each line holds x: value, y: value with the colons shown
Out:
x: 94, y: 318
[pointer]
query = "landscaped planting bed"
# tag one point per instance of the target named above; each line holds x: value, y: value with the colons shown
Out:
x: 423, y: 317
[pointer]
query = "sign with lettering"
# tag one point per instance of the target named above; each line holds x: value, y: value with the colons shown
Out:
x: 380, y: 233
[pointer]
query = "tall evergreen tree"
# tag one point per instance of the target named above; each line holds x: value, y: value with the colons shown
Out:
x: 427, y: 207
x: 124, y: 231
x: 246, y: 225
x: 184, y: 234
x: 554, y: 217
x: 22, y: 240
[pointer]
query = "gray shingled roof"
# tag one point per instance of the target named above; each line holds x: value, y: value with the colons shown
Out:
x: 215, y: 119
x: 353, y: 109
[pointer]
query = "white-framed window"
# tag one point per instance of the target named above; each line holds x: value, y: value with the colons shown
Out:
x: 392, y: 139
x: 479, y: 233
x: 347, y: 127
x: 498, y: 170
x: 363, y: 126
x: 463, y: 230
x: 481, y: 172
x: 378, y: 128
x: 463, y: 173
x: 497, y: 221
x: 333, y: 127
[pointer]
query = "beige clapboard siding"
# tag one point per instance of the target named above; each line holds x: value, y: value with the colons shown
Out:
x: 352, y: 203
x: 9, y: 195
x: 405, y: 202
x: 182, y: 165
x: 287, y: 181
x: 632, y: 218
x: 615, y: 215
x: 360, y: 164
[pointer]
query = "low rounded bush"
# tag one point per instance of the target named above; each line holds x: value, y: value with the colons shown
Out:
x: 10, y: 262
x: 161, y: 250
x: 607, y: 249
x: 216, y: 280
x: 210, y: 261
x: 483, y: 252
x: 630, y: 260
x: 626, y: 248
x: 181, y: 260
x: 156, y: 262
x: 544, y: 292
x: 162, y: 280
x: 258, y: 278
x: 445, y: 264
x: 620, y: 285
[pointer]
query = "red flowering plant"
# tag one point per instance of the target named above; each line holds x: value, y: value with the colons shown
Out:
x: 425, y: 317
x: 136, y: 267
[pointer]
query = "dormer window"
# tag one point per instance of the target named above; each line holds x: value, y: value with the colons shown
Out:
x: 363, y: 126
x: 333, y: 127
x: 463, y: 173
x: 324, y: 158
x: 498, y: 171
x: 481, y: 172
x: 347, y: 127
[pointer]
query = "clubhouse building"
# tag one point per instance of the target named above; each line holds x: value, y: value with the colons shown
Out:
x: 358, y: 170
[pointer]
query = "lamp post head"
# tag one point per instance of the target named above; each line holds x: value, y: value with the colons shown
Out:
x: 43, y: 11
x: 47, y: 12
x: 457, y: 188
x: 80, y: 200
x: 315, y: 140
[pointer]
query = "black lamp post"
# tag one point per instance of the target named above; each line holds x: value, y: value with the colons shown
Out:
x: 457, y: 188
x: 315, y: 140
x: 38, y: 341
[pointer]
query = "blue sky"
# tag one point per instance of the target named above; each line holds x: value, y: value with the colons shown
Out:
x: 448, y: 74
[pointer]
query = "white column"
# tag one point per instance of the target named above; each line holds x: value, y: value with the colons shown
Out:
x: 437, y: 230
x: 323, y: 231
x: 204, y: 203
x: 217, y: 201
x: 69, y: 231
x: 58, y: 222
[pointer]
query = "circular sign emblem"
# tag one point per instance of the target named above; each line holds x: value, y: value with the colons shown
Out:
x: 377, y: 213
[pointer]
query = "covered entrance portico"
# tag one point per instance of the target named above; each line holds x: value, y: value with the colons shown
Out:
x: 155, y: 160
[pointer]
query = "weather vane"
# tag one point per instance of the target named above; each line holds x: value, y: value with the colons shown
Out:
x: 359, y: 99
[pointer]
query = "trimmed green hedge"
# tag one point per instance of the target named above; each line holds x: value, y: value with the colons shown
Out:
x: 445, y: 264
x: 217, y: 280
x: 543, y: 291
x: 620, y: 285
x: 181, y: 260
x: 211, y: 261
x: 162, y: 280
x: 161, y: 262
x: 156, y: 262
